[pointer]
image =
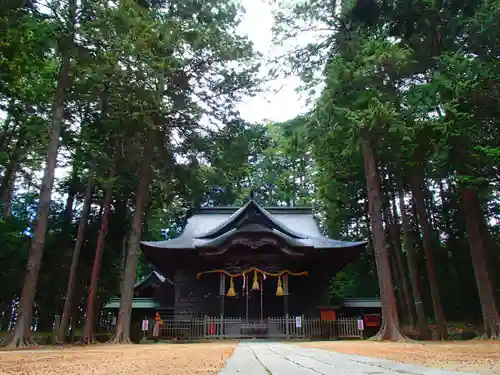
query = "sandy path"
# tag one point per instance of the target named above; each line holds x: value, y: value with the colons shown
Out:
x: 470, y: 356
x: 165, y: 359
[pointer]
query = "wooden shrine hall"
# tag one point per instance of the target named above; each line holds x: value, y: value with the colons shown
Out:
x: 248, y: 265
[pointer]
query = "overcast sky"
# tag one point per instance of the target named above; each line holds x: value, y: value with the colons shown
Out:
x: 285, y: 103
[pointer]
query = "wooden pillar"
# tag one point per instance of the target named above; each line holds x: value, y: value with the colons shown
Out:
x: 285, y: 303
x: 285, y: 294
x: 245, y: 278
x: 222, y: 293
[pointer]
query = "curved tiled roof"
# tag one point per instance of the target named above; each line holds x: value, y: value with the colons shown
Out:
x: 210, y: 227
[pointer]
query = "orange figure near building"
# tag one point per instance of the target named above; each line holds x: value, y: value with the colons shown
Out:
x: 156, y: 328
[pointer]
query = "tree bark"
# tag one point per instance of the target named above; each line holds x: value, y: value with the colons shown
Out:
x: 395, y: 258
x: 68, y: 209
x: 475, y: 221
x: 390, y: 329
x: 7, y: 189
x: 80, y: 238
x: 417, y: 187
x: 395, y: 229
x: 396, y: 274
x: 21, y: 335
x: 399, y: 264
x: 122, y: 334
x: 9, y: 177
x: 398, y: 290
x: 88, y: 330
x: 75, y: 311
x: 423, y: 328
x: 123, y: 261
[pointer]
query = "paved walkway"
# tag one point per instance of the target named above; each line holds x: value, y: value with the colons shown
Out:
x: 266, y: 358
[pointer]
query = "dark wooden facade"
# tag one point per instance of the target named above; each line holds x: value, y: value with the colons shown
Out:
x: 229, y: 241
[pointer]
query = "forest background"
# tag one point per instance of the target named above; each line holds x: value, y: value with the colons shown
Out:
x: 140, y: 101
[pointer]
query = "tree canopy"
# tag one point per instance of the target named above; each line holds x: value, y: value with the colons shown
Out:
x: 136, y: 101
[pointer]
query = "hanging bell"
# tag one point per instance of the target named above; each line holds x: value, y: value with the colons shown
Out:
x: 255, y: 285
x: 230, y: 292
x: 279, y: 289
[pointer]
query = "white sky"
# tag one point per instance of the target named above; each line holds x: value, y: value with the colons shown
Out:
x: 281, y: 102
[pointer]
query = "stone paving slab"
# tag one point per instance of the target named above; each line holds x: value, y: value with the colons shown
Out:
x: 267, y: 358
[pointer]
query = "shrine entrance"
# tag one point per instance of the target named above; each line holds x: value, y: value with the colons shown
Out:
x: 252, y: 294
x: 249, y: 272
x: 254, y: 304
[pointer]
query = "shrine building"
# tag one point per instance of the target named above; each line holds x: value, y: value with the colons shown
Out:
x: 248, y: 272
x: 251, y: 263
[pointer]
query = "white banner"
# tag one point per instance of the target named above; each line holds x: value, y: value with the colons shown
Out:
x: 361, y: 324
x: 145, y: 324
x: 298, y: 322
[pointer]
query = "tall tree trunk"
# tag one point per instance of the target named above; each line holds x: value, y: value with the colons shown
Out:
x: 88, y: 330
x: 7, y: 189
x: 399, y: 264
x: 68, y: 208
x: 21, y: 335
x: 4, y: 316
x: 390, y: 329
x: 75, y: 309
x: 123, y: 261
x: 395, y: 257
x: 66, y: 239
x: 417, y: 187
x: 80, y: 238
x: 395, y: 229
x: 413, y: 268
x: 398, y: 289
x: 475, y: 222
x: 6, y: 130
x: 122, y: 334
x: 9, y: 177
x: 396, y: 272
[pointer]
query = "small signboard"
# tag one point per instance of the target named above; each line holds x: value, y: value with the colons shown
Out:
x: 361, y: 325
x: 372, y: 320
x: 145, y: 325
x: 298, y: 322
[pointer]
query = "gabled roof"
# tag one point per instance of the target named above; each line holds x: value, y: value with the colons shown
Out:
x: 210, y: 227
x: 153, y: 277
x: 232, y: 221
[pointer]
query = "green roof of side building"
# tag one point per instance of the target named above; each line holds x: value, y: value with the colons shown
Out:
x: 153, y: 279
x: 137, y: 303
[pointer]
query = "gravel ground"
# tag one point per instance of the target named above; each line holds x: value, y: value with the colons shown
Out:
x: 165, y: 359
x: 482, y: 357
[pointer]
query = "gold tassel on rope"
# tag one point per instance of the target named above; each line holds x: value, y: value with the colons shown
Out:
x: 230, y: 292
x: 255, y: 285
x: 279, y: 289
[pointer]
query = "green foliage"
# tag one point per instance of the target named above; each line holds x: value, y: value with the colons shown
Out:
x: 417, y: 79
x: 356, y: 280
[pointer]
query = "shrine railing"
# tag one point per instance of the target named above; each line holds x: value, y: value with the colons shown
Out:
x: 274, y: 327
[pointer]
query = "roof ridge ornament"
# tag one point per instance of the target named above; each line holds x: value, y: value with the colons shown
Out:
x: 251, y: 194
